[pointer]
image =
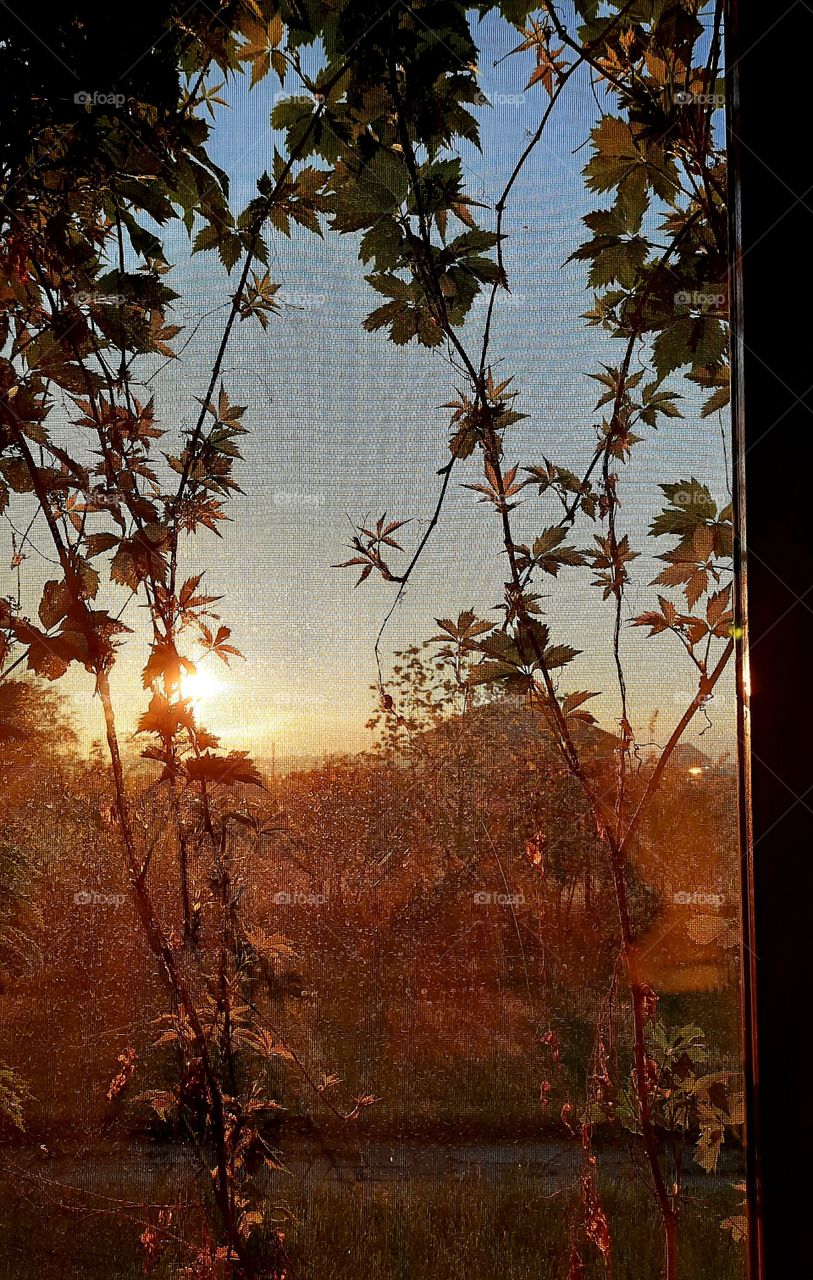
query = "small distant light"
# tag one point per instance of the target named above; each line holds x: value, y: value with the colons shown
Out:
x: 695, y: 771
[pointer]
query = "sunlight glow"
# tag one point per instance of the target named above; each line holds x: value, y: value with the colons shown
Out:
x: 201, y: 687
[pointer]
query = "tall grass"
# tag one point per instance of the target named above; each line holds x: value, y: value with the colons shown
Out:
x: 471, y: 1227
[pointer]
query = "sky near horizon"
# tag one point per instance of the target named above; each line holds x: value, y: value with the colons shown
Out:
x: 344, y: 425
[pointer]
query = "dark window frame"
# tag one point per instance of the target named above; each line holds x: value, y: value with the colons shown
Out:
x: 768, y: 55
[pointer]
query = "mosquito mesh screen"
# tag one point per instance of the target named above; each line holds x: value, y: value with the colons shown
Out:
x: 370, y: 868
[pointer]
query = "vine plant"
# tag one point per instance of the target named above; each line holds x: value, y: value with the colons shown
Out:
x: 106, y: 148
x: 656, y: 153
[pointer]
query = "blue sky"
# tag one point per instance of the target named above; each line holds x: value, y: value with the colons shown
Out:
x: 343, y: 424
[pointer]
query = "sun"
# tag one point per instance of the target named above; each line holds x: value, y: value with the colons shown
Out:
x: 201, y: 686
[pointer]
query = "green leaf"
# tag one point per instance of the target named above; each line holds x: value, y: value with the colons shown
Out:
x: 383, y: 244
x: 698, y: 341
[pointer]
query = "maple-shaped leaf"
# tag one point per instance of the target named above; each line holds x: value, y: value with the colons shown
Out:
x: 549, y: 65
x: 610, y: 561
x: 549, y: 69
x: 218, y: 643
x: 140, y: 557
x: 229, y: 770
x: 718, y: 614
x: 263, y: 1043
x: 262, y: 47
x: 224, y: 412
x: 260, y: 299
x: 198, y: 510
x: 548, y: 554
x: 165, y: 663
x: 658, y: 622
x: 464, y: 631
x: 162, y: 334
x: 498, y: 487
x: 369, y: 554
x: 166, y: 718
x: 696, y: 629
x: 383, y: 532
